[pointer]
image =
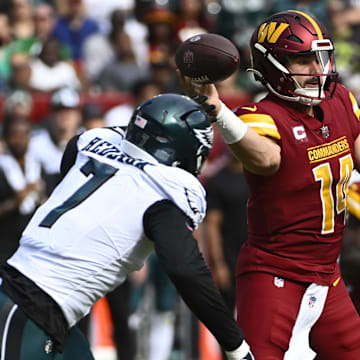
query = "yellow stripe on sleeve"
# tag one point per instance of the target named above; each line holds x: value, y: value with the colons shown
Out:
x: 262, y: 124
x: 354, y: 201
x: 355, y: 105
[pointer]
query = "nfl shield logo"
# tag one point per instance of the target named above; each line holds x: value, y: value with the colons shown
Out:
x: 312, y: 301
x: 48, y: 348
x: 188, y: 57
x: 279, y: 282
x: 325, y: 132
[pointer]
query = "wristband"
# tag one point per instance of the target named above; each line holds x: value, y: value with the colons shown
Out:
x: 230, y: 126
x: 239, y: 353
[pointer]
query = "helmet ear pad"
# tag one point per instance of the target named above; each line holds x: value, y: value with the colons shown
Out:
x: 174, y: 130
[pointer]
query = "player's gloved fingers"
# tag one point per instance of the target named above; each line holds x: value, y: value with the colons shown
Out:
x: 201, y: 100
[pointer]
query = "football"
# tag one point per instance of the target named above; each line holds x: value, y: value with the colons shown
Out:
x: 207, y: 58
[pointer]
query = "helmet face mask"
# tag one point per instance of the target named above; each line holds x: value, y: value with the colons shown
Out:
x: 174, y: 130
x: 283, y: 37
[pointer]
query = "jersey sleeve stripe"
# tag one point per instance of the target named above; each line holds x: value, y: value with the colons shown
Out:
x: 354, y: 202
x: 355, y: 105
x: 266, y: 130
x: 260, y: 118
x: 262, y: 124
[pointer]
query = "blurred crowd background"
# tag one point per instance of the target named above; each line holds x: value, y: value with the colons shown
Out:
x: 71, y: 65
x: 103, y: 48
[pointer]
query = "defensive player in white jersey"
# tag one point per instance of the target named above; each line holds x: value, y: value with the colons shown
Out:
x: 118, y: 201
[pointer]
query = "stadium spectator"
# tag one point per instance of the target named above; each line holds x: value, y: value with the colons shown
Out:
x: 49, y: 73
x: 226, y: 224
x: 74, y: 27
x: 44, y: 19
x: 138, y: 32
x: 164, y: 75
x: 92, y: 116
x: 142, y: 90
x: 21, y: 19
x: 120, y: 74
x: 48, y: 142
x: 20, y: 73
x: 5, y: 39
x: 21, y: 186
x: 99, y: 49
x: 192, y: 19
x: 160, y: 22
x: 18, y: 104
x: 162, y: 313
x: 101, y: 11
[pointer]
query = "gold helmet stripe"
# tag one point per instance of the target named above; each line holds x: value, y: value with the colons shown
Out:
x: 312, y: 21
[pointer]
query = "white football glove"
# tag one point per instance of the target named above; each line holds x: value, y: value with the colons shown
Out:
x: 243, y: 352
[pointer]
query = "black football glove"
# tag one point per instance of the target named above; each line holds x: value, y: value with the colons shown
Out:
x: 201, y: 100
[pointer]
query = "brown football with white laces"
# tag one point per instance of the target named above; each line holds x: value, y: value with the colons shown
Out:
x: 207, y: 58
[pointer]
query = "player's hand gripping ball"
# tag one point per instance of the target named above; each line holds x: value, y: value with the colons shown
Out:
x: 207, y: 58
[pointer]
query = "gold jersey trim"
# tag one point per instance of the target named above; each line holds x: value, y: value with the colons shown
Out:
x: 354, y: 201
x: 355, y: 105
x: 262, y: 124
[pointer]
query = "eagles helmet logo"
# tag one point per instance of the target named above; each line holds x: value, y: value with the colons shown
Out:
x: 205, y: 136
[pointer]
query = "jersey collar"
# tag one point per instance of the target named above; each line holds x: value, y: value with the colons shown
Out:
x: 137, y: 153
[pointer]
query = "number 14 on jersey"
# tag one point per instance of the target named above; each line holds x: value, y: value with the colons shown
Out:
x: 323, y: 173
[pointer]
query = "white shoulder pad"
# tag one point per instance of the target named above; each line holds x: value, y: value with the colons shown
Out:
x: 181, y: 187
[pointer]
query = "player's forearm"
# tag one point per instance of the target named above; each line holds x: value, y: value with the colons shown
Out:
x: 199, y: 292
x: 179, y: 255
x: 258, y: 154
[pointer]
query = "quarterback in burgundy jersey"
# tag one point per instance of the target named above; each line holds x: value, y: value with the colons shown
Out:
x: 296, y: 217
x: 298, y: 146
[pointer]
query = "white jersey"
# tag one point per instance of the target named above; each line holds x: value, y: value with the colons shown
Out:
x: 89, y: 235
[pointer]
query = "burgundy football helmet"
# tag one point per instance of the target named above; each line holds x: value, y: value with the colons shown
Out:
x: 287, y: 34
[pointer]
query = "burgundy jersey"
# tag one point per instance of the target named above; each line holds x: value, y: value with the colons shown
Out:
x: 296, y: 217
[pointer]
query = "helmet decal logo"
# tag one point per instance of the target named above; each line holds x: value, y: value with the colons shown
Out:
x: 205, y: 136
x: 140, y: 121
x: 270, y: 32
